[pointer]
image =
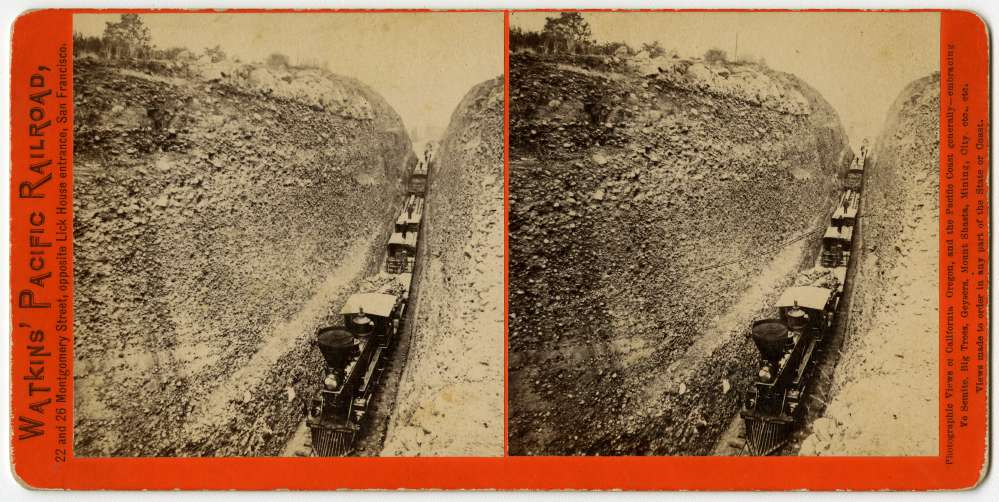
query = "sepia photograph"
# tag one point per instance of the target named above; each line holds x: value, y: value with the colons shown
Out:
x: 437, y: 248
x: 723, y: 233
x: 288, y: 234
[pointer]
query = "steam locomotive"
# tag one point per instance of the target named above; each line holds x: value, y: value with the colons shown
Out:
x: 789, y: 342
x: 354, y: 358
x: 787, y: 346
x: 356, y: 352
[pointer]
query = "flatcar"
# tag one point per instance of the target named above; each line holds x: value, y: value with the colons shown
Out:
x: 428, y: 152
x: 411, y: 217
x: 787, y: 346
x: 846, y: 212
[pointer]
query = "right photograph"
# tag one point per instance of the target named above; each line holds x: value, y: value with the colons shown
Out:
x: 724, y: 233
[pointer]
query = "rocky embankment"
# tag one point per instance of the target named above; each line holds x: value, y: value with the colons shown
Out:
x: 450, y: 399
x: 885, y: 394
x: 654, y: 213
x: 217, y: 221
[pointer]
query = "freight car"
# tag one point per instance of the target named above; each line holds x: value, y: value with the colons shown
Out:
x: 846, y: 211
x: 418, y: 179
x: 411, y: 217
x: 401, y: 255
x: 836, y: 245
x: 428, y: 152
x: 855, y: 174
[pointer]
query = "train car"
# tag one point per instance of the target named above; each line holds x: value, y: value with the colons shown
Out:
x: 787, y: 346
x: 846, y: 212
x: 401, y: 253
x: 418, y: 179
x: 865, y: 153
x: 428, y: 152
x: 836, y: 245
x: 411, y: 217
x: 855, y: 174
x: 353, y: 357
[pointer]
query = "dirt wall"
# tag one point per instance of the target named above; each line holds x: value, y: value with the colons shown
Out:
x: 885, y: 395
x: 450, y: 399
x: 652, y: 217
x: 216, y: 223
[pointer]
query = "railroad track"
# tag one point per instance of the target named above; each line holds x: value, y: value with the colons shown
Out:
x: 363, y: 360
x: 733, y: 441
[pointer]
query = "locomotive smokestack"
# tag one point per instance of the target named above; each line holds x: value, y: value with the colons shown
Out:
x: 770, y: 336
x: 337, y: 346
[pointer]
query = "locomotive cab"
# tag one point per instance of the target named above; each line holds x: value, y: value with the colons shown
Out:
x: 817, y: 302
x: 381, y: 311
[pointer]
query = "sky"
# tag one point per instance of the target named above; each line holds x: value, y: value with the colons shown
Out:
x: 421, y: 63
x: 858, y: 61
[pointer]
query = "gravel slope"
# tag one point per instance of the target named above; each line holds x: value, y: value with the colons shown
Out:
x: 885, y: 399
x: 450, y: 399
x: 216, y: 222
x: 652, y: 217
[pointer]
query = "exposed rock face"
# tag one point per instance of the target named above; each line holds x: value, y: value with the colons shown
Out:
x: 450, y: 400
x: 885, y: 399
x: 747, y: 82
x: 216, y: 223
x: 651, y: 220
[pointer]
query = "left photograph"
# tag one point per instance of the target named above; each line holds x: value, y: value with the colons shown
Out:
x: 288, y: 233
